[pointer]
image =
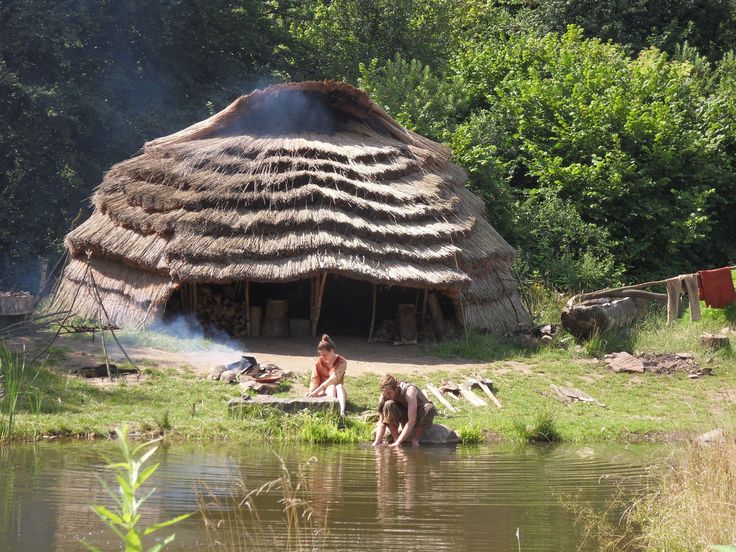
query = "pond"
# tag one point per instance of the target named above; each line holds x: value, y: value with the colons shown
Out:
x: 465, y: 498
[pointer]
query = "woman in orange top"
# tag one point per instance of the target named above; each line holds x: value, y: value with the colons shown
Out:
x: 328, y: 374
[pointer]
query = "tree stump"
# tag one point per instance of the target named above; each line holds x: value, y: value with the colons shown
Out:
x: 715, y: 341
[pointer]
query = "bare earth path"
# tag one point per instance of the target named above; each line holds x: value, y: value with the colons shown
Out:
x: 292, y: 354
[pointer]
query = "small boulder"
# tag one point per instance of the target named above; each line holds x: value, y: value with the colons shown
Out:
x: 229, y: 376
x: 215, y: 373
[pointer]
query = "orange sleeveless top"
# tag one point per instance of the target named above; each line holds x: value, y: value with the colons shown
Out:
x: 322, y: 371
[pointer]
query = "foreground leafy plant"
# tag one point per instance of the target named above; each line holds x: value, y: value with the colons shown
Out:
x: 130, y: 475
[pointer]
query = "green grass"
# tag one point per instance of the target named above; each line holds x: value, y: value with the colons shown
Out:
x: 643, y: 406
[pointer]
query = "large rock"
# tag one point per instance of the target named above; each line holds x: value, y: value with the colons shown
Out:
x: 313, y: 404
x: 439, y: 434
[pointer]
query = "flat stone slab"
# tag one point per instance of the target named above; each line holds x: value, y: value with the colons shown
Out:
x: 316, y: 404
x: 624, y: 362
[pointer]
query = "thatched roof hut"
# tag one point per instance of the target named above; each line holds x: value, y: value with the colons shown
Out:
x: 289, y: 183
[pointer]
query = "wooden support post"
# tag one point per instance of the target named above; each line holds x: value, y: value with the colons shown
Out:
x: 313, y: 284
x: 424, y: 308
x: 194, y: 298
x: 247, y: 308
x: 322, y: 280
x: 373, y: 312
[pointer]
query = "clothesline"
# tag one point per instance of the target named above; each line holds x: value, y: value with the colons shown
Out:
x: 613, y: 291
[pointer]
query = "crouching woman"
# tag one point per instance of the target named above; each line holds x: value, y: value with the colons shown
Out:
x: 328, y: 375
x: 402, y: 405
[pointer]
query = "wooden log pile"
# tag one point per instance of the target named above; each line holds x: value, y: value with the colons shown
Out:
x: 215, y: 309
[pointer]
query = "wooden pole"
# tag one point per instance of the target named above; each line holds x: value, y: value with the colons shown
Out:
x: 312, y: 288
x: 247, y: 308
x: 424, y: 307
x: 194, y: 298
x: 318, y: 303
x: 373, y: 312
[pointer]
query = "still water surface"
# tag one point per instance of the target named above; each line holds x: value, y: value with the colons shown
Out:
x: 468, y: 498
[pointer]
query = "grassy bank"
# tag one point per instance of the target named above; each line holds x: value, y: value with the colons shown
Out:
x: 181, y: 405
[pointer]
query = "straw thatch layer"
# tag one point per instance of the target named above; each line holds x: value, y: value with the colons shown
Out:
x: 131, y: 297
x: 287, y: 183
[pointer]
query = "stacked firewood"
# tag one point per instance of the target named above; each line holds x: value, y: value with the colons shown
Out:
x: 214, y: 309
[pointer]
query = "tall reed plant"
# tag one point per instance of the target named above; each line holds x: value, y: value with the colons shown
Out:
x: 13, y: 385
x: 233, y: 522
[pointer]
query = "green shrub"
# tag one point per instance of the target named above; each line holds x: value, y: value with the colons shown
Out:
x: 543, y: 428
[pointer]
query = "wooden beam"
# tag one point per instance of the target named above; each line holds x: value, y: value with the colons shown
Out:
x: 436, y: 392
x: 487, y: 391
x: 471, y: 397
x: 373, y: 313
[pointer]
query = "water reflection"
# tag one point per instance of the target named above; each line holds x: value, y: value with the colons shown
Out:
x: 439, y: 498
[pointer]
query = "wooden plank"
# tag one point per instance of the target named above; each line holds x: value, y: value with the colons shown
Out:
x: 443, y: 400
x: 471, y: 397
x: 488, y: 392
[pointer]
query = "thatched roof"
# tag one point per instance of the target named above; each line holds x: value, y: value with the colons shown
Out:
x: 286, y: 183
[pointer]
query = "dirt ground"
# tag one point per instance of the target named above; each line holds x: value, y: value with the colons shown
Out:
x: 292, y: 354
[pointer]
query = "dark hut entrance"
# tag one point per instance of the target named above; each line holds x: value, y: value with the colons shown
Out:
x: 344, y: 306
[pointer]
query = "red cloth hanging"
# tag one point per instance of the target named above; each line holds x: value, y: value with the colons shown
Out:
x: 716, y: 287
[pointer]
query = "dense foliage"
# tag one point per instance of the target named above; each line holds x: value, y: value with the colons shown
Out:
x: 600, y: 161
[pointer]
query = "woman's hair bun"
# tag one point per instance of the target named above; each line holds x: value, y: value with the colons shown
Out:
x: 326, y: 337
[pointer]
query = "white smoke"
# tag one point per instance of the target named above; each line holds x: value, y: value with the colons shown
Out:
x: 193, y: 337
